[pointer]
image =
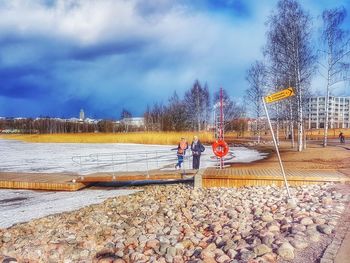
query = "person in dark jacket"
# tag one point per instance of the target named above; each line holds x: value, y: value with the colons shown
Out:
x: 341, y: 137
x: 197, y: 148
x: 181, y: 151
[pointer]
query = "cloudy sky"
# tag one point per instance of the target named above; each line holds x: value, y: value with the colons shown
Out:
x: 58, y: 56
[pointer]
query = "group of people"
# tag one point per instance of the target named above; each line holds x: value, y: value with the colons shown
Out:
x: 196, y: 147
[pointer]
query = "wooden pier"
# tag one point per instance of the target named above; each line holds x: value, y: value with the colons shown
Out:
x: 40, y: 181
x: 238, y: 177
x: 210, y: 177
x: 73, y: 182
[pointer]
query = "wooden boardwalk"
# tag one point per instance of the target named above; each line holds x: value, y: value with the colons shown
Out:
x: 40, y: 181
x: 154, y: 175
x: 211, y: 177
x: 73, y: 182
x: 238, y: 177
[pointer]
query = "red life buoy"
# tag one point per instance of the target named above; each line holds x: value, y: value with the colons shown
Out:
x: 220, y: 148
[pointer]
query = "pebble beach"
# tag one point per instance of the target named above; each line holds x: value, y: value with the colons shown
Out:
x: 177, y: 223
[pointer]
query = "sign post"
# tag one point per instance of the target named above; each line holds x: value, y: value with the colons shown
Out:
x: 269, y: 99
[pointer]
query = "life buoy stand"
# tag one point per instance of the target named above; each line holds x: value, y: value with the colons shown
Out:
x: 220, y: 148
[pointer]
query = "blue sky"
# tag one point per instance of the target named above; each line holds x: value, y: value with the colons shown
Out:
x: 58, y: 56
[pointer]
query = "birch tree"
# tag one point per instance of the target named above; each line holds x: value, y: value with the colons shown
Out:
x: 336, y: 52
x: 290, y: 52
x: 256, y: 77
x: 197, y: 101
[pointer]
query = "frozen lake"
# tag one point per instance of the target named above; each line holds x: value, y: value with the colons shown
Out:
x: 85, y: 158
x: 17, y: 206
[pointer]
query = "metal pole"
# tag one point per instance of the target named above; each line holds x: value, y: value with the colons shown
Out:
x: 147, y: 165
x: 276, y: 146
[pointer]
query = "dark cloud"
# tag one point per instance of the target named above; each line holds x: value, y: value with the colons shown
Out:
x: 107, y: 49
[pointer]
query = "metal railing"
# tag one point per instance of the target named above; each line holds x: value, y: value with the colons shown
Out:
x: 132, y: 161
x: 136, y: 161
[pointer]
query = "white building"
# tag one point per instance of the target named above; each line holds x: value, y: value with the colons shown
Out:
x: 135, y: 121
x: 81, y: 115
x: 338, y: 113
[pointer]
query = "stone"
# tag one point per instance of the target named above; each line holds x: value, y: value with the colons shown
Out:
x: 299, y: 243
x: 154, y: 243
x: 291, y: 204
x: 171, y: 251
x: 327, y: 201
x: 267, y: 217
x: 207, y: 255
x: 286, y: 251
x: 306, y: 221
x: 246, y: 255
x: 325, y: 229
x: 222, y: 259
x: 232, y: 253
x: 6, y: 237
x: 261, y: 249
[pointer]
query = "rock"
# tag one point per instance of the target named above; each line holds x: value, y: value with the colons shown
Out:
x: 171, y: 251
x: 269, y: 258
x: 6, y: 237
x: 273, y: 228
x: 299, y: 243
x: 232, y: 253
x: 267, y: 217
x: 297, y: 228
x: 327, y: 201
x: 306, y: 221
x: 222, y: 259
x: 314, y: 236
x: 286, y: 251
x: 291, y: 204
x: 207, y: 255
x: 154, y: 243
x: 268, y: 240
x: 246, y: 255
x: 261, y: 249
x: 211, y: 247
x: 325, y: 229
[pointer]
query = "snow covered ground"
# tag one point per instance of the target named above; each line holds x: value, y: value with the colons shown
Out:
x: 18, y: 206
x: 85, y: 158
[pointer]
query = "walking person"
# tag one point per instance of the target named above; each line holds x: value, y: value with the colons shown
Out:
x: 342, y: 137
x: 181, y: 151
x: 197, y: 148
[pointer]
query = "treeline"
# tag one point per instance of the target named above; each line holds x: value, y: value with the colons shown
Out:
x: 53, y: 125
x: 194, y: 111
x: 292, y: 58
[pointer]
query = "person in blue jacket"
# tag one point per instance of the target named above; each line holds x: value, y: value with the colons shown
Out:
x: 197, y: 148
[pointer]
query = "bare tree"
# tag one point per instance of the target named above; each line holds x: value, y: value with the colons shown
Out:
x: 175, y: 118
x: 197, y: 102
x: 290, y: 52
x: 336, y: 43
x: 256, y: 76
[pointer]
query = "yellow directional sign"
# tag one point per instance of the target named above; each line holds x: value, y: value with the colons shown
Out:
x: 283, y: 94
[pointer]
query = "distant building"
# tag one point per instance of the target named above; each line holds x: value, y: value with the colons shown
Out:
x: 338, y: 112
x: 134, y: 121
x: 82, y: 115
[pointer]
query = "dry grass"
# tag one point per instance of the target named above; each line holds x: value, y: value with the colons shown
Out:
x: 163, y: 138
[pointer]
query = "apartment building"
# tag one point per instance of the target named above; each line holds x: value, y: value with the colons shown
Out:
x: 338, y: 114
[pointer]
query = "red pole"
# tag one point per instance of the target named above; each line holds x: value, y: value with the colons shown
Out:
x: 221, y: 115
x: 221, y: 121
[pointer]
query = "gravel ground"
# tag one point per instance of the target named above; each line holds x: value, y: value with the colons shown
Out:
x: 176, y: 223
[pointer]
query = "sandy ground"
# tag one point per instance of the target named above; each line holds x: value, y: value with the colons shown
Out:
x: 336, y: 156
